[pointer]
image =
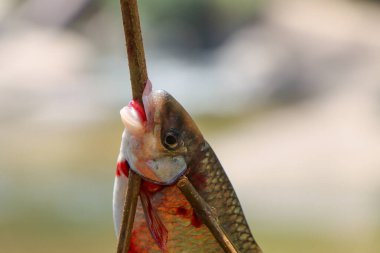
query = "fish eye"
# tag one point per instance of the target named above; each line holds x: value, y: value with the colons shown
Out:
x: 171, y: 140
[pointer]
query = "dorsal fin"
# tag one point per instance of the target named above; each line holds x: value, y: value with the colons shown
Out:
x: 156, y: 227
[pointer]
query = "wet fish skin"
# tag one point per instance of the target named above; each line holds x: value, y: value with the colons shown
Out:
x: 163, y: 201
x: 218, y: 192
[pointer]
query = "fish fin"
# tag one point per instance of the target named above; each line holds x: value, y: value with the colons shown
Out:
x: 156, y: 227
x: 147, y: 101
x: 147, y: 88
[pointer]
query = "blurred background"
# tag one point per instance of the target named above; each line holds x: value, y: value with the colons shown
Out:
x: 286, y: 92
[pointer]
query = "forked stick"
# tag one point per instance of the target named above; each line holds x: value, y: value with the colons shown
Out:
x: 139, y: 78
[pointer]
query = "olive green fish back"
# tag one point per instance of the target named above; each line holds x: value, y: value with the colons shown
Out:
x: 214, y: 186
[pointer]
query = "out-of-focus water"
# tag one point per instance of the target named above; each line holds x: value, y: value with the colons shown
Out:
x: 289, y: 100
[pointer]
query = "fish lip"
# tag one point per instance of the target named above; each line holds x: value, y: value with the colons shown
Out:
x: 133, y: 117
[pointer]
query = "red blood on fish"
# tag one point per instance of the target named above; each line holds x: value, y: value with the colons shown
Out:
x: 198, y: 180
x: 151, y: 187
x: 195, y: 221
x: 132, y: 245
x: 122, y: 167
x: 190, y: 214
x: 182, y: 211
x: 138, y: 108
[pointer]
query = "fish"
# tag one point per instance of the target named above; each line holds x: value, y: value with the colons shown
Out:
x: 161, y: 143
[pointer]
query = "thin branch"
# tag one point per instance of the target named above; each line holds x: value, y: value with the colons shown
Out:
x: 139, y: 77
x: 205, y: 213
x: 134, y: 182
x: 135, y: 47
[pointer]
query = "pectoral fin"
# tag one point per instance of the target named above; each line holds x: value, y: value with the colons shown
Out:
x: 156, y: 227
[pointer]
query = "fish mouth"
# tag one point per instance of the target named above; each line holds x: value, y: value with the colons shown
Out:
x: 133, y: 117
x: 134, y: 114
x: 139, y: 121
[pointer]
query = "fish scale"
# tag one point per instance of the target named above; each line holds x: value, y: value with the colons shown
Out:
x: 183, y: 237
x: 220, y: 195
x: 165, y: 221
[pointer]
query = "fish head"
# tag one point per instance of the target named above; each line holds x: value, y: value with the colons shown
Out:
x: 161, y: 139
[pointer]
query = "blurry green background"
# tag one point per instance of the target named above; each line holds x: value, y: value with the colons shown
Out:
x: 286, y: 92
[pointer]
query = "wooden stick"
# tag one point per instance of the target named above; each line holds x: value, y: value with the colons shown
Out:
x: 205, y: 213
x: 139, y: 77
x: 133, y: 190
x: 135, y: 47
